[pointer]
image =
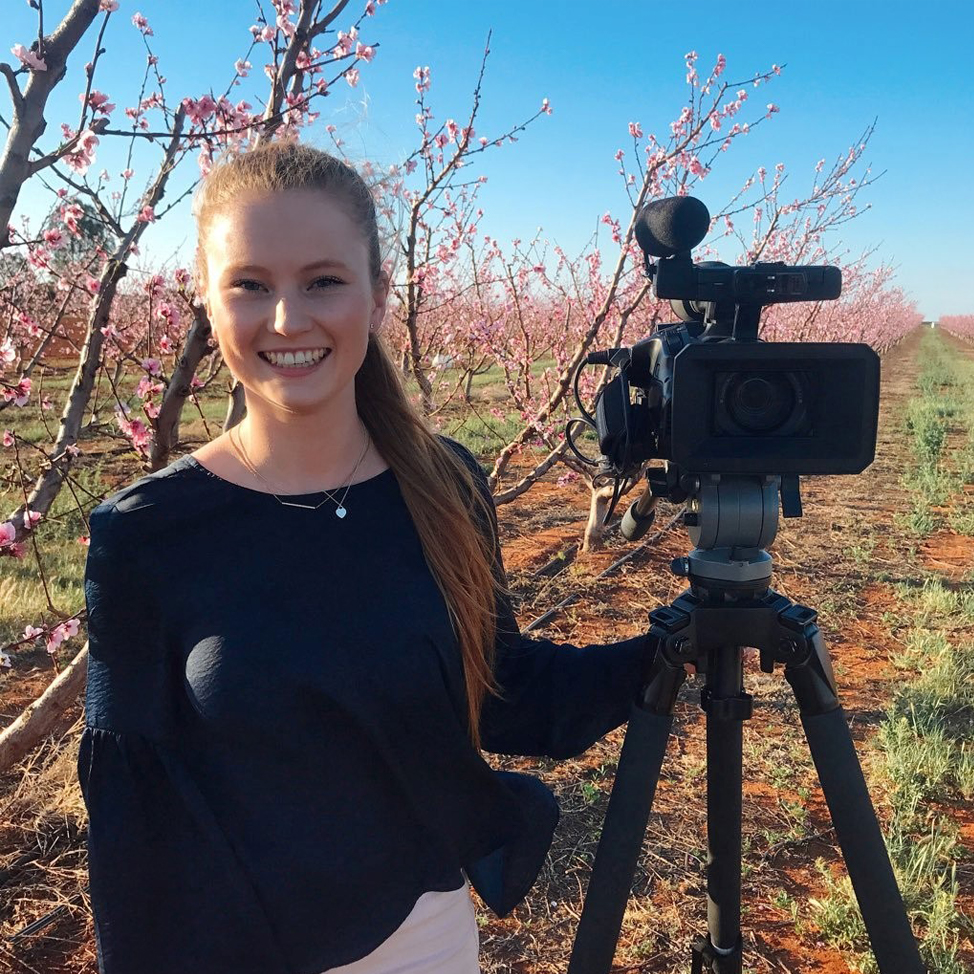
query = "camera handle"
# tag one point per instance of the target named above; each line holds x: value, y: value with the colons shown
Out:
x: 727, y: 607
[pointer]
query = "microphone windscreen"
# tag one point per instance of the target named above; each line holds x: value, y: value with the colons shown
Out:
x: 672, y: 226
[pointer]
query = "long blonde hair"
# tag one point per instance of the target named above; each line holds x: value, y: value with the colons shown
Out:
x: 453, y: 517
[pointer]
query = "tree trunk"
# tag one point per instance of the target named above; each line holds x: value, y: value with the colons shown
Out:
x: 595, y: 530
x: 195, y: 350
x: 45, y: 716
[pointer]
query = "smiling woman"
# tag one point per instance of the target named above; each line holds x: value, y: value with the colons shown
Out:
x: 268, y: 303
x: 286, y: 708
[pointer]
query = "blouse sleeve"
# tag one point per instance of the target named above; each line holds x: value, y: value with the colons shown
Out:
x: 559, y: 699
x: 167, y: 892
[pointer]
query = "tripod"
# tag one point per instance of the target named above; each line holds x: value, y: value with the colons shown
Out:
x: 728, y: 606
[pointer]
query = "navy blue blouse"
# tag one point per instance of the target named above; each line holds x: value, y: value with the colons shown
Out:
x: 276, y: 762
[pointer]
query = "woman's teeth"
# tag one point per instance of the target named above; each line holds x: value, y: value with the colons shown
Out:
x: 289, y: 360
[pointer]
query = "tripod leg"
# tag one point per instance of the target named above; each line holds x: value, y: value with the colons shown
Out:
x: 853, y: 816
x: 621, y: 841
x: 727, y: 708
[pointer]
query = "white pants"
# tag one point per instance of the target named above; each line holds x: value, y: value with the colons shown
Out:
x: 439, y: 936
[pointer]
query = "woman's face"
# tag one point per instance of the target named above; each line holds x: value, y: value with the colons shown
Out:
x: 289, y: 271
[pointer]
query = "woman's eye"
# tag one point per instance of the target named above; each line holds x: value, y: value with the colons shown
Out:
x: 325, y: 282
x: 247, y: 285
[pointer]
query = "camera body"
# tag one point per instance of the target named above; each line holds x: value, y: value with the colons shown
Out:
x: 708, y: 395
x: 725, y: 406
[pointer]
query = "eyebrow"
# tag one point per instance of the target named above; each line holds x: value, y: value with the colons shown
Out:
x: 316, y: 265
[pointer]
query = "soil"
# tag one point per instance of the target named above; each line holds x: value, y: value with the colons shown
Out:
x: 786, y: 825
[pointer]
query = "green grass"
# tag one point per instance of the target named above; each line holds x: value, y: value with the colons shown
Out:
x: 924, y: 743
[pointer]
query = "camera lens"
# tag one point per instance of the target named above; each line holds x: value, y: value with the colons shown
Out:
x: 758, y: 402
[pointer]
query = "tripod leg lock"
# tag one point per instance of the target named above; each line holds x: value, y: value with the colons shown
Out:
x: 707, y: 959
x: 727, y: 708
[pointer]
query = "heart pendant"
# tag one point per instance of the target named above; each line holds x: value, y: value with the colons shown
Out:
x: 341, y: 512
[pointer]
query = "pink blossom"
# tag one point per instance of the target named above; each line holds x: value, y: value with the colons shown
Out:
x: 635, y: 130
x: 146, y: 215
x: 83, y: 154
x: 370, y: 9
x: 7, y: 533
x: 98, y: 102
x: 422, y: 76
x: 71, y: 214
x: 37, y: 257
x: 142, y: 24
x: 352, y: 76
x: 772, y: 108
x: 366, y: 53
x: 285, y: 26
x: 108, y: 6
x: 19, y: 395
x: 28, y: 58
x: 54, y: 239
x: 242, y: 67
x: 8, y: 438
x: 92, y: 284
x: 345, y: 45
x: 199, y: 111
x: 205, y: 160
x: 545, y: 107
x: 182, y: 276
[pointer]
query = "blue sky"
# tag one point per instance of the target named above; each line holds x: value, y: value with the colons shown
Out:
x: 603, y: 66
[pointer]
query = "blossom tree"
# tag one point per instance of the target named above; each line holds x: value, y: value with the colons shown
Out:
x: 960, y: 325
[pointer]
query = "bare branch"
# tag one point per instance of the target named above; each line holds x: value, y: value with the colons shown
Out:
x: 16, y: 96
x: 322, y: 25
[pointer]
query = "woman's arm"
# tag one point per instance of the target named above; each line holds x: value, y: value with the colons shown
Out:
x: 559, y: 699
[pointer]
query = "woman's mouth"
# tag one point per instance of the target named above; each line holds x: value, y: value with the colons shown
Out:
x: 295, y: 370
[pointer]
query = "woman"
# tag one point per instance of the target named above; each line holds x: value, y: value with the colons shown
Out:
x: 300, y: 640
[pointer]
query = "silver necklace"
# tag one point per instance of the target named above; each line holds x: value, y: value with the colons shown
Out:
x: 340, y: 510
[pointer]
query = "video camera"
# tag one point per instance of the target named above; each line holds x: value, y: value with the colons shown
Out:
x: 709, y: 396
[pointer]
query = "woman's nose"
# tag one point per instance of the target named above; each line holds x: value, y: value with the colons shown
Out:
x: 288, y: 315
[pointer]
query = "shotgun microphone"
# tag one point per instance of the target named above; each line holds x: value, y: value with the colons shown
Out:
x: 672, y: 226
